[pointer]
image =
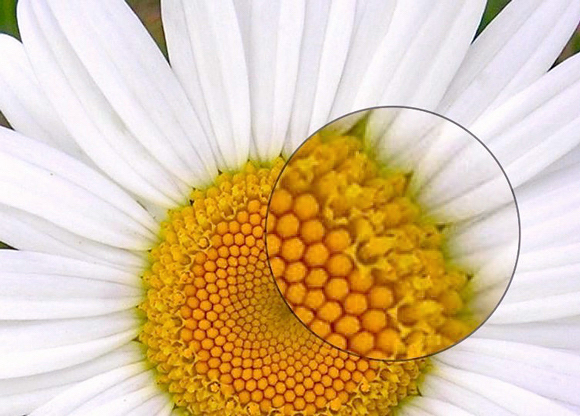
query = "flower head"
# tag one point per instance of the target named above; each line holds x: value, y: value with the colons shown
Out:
x: 142, y: 187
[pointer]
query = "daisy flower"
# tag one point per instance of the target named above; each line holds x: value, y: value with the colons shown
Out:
x: 135, y: 193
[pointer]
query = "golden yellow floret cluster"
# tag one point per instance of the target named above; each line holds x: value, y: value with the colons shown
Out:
x: 221, y: 337
x: 354, y: 259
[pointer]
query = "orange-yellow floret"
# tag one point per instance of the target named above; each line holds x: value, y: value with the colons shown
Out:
x: 348, y: 325
x: 311, y: 231
x: 222, y: 339
x: 376, y: 278
x: 355, y: 303
x: 305, y: 207
x: 336, y: 289
x: 316, y: 277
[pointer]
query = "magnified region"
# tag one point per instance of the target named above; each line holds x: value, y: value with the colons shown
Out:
x: 392, y: 233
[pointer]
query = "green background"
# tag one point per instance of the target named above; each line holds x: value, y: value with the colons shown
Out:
x: 148, y: 12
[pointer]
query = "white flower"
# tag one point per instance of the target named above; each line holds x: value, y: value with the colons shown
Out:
x: 116, y: 137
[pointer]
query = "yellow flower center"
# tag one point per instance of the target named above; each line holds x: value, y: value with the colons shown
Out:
x: 222, y: 338
x: 355, y: 259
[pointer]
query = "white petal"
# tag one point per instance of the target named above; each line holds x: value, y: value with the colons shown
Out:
x: 326, y: 39
x: 417, y: 59
x: 153, y: 105
x: 206, y: 51
x: 412, y: 411
x: 526, y: 134
x: 513, y: 398
x: 537, y: 310
x: 568, y: 320
x: 337, y: 40
x: 25, y: 231
x: 535, y: 127
x: 551, y: 334
x: 78, y: 173
x: 130, y: 389
x: 481, y: 199
x: 17, y: 261
x: 437, y: 33
x: 26, y: 363
x: 272, y: 33
x: 549, y: 207
x: 464, y: 186
x: 542, y: 283
x: 488, y: 248
x: 46, y: 188
x: 90, y: 117
x: 176, y: 30
x: 571, y: 407
x: 497, y: 228
x: 126, y: 404
x: 158, y: 405
x: 23, y: 395
x: 76, y: 397
x: 543, y: 257
x: 372, y: 22
x: 439, y: 388
x: 543, y: 371
x: 545, y: 358
x: 24, y: 104
x: 437, y: 407
x: 514, y: 50
x: 33, y: 335
x: 550, y: 180
x: 549, y: 195
x: 311, y: 49
x: 127, y: 354
x: 29, y: 296
x: 558, y: 229
x: 23, y: 403
x: 403, y: 135
x: 569, y: 159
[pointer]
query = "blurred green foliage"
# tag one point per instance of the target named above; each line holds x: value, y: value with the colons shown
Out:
x: 8, y: 17
x: 149, y: 13
x: 492, y: 9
